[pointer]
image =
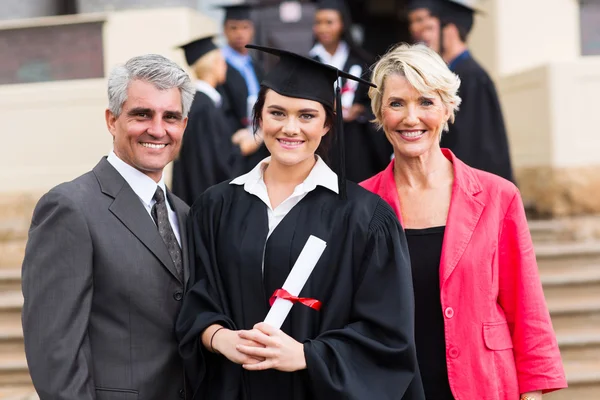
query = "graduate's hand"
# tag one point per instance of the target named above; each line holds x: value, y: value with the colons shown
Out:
x: 350, y: 114
x: 226, y: 342
x: 280, y: 351
x: 240, y: 135
x: 247, y: 142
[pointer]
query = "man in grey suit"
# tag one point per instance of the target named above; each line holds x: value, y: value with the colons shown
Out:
x: 105, y: 265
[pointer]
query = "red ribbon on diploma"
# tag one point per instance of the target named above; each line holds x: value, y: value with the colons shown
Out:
x: 284, y: 294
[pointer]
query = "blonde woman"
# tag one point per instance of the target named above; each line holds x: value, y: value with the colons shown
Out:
x: 482, y: 327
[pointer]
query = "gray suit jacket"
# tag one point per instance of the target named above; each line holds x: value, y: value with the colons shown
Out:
x: 101, y: 294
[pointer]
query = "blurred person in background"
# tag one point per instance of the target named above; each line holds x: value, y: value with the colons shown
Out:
x: 367, y: 151
x: 482, y: 326
x: 106, y: 263
x: 208, y: 155
x: 478, y: 135
x: 241, y: 85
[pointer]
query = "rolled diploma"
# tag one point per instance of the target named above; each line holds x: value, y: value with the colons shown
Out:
x: 303, y: 267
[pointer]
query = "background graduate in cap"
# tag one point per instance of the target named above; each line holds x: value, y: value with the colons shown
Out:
x: 242, y: 83
x: 367, y: 151
x: 207, y: 154
x: 247, y: 234
x: 478, y: 136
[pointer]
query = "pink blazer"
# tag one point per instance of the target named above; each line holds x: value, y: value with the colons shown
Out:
x: 499, y: 337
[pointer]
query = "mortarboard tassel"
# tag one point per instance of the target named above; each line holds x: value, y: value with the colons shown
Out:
x: 339, y: 134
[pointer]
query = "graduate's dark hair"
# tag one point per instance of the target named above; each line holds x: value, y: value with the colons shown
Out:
x: 325, y: 145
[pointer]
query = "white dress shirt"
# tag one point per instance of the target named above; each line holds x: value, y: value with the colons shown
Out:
x: 338, y: 59
x: 144, y: 187
x: 210, y: 91
x: 253, y: 182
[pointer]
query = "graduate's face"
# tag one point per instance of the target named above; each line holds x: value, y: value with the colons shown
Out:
x: 292, y: 128
x: 147, y: 134
x: 417, y: 21
x: 239, y: 33
x: 328, y: 27
x: 411, y: 120
x: 430, y: 34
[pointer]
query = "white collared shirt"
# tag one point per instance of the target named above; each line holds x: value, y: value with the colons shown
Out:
x: 253, y: 182
x: 210, y: 91
x: 144, y: 187
x: 338, y: 59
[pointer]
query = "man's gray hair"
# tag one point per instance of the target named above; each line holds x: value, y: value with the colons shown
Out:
x: 163, y: 73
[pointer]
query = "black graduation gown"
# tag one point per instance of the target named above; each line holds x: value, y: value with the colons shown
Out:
x: 235, y: 106
x: 207, y: 155
x: 478, y: 136
x: 368, y: 151
x: 359, y: 346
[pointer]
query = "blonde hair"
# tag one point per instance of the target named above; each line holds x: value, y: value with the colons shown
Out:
x: 425, y: 71
x: 206, y: 64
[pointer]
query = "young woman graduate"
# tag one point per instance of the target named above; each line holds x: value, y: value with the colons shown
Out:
x: 367, y: 150
x: 245, y: 236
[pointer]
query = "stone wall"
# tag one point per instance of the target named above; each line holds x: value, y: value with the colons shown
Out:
x: 557, y: 192
x: 19, y: 9
x: 87, y: 6
x: 51, y: 53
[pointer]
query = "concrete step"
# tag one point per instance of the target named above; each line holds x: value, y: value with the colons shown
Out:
x: 17, y: 205
x: 566, y: 255
x: 11, y: 338
x: 12, y: 252
x: 13, y: 369
x: 589, y: 391
x: 21, y: 392
x: 10, y: 279
x: 570, y: 229
x: 11, y: 303
x: 14, y: 228
x: 579, y: 344
x: 564, y: 285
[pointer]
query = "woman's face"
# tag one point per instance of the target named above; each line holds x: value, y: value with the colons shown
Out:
x: 328, y: 27
x: 412, y: 121
x: 292, y: 128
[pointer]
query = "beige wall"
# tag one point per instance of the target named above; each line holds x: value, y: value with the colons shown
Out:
x: 552, y: 114
x: 515, y: 35
x: 56, y: 130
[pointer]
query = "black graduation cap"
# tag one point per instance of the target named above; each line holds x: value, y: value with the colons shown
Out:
x: 459, y: 12
x: 302, y: 77
x: 431, y: 5
x: 195, y: 49
x: 338, y: 5
x: 238, y: 12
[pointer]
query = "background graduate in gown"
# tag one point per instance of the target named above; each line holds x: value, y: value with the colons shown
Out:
x: 207, y: 154
x: 367, y: 150
x: 246, y: 235
x: 242, y: 83
x: 478, y: 136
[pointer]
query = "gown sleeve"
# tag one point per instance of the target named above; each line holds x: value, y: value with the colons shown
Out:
x: 204, y: 303
x: 373, y: 357
x: 479, y: 120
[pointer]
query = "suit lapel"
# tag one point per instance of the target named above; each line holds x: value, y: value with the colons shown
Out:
x: 463, y: 216
x: 128, y: 208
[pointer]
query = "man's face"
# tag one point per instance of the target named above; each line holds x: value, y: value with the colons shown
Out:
x: 148, y: 133
x: 239, y: 33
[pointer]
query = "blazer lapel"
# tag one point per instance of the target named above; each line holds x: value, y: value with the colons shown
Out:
x: 128, y: 208
x: 463, y: 216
